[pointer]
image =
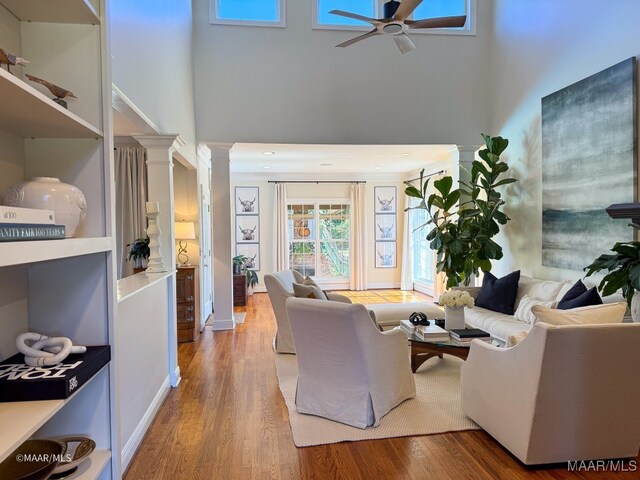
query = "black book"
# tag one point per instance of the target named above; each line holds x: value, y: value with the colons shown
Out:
x: 468, y: 333
x: 21, y: 232
x: 20, y: 382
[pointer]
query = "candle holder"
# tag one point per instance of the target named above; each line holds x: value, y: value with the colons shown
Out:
x: 156, y: 262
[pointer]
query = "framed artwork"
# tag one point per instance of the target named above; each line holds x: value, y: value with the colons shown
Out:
x: 385, y: 199
x: 588, y: 162
x: 247, y: 201
x: 385, y: 227
x: 385, y: 254
x: 247, y: 229
x: 252, y: 252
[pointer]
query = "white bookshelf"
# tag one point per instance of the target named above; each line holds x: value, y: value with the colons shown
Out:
x: 26, y: 112
x: 54, y: 11
x: 20, y: 253
x: 60, y: 287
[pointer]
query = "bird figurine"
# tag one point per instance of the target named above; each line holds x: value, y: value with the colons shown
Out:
x: 57, y: 91
x: 10, y: 59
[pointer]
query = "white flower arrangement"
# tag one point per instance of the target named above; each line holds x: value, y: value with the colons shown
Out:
x: 456, y: 298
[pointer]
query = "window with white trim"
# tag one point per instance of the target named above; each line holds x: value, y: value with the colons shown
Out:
x: 374, y: 9
x: 319, y: 243
x: 263, y: 13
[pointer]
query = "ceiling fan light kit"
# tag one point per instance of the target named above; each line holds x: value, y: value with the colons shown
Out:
x: 395, y: 23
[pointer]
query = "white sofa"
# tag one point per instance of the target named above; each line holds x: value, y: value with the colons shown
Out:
x: 499, y: 325
x: 564, y: 393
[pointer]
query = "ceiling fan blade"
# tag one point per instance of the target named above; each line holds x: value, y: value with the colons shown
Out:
x: 404, y: 43
x: 355, y: 16
x: 357, y: 39
x: 405, y: 9
x: 442, y: 22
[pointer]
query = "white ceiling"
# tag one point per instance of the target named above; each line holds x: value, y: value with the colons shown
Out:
x: 337, y: 159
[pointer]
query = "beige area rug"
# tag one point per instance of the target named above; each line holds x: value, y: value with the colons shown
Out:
x: 436, y: 408
x: 238, y: 317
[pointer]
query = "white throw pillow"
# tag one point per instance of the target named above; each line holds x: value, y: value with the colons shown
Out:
x: 606, y: 313
x: 524, y: 313
x: 516, y: 338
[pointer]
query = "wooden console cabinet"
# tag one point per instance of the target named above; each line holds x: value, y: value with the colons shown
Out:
x: 187, y: 303
x: 239, y: 290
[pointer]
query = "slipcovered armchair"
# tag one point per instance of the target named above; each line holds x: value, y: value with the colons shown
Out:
x: 348, y: 371
x: 564, y: 393
x: 280, y: 287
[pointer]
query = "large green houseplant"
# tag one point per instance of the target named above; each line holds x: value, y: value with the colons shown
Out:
x: 464, y: 220
x: 623, y: 267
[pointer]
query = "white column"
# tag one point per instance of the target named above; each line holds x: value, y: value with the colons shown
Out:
x: 223, y: 251
x: 466, y: 156
x: 160, y: 149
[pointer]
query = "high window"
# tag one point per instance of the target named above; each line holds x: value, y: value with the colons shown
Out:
x: 268, y: 13
x: 319, y: 240
x: 374, y: 9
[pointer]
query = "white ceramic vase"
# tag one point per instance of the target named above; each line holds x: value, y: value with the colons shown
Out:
x: 453, y: 318
x: 48, y: 193
x: 635, y: 307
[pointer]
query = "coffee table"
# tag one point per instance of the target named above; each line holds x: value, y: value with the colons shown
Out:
x: 423, y: 350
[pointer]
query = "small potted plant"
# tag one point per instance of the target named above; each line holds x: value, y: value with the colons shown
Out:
x: 139, y: 253
x: 238, y: 264
x: 623, y: 267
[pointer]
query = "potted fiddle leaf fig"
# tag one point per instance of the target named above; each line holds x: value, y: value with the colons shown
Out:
x: 464, y: 220
x: 139, y: 253
x: 623, y: 267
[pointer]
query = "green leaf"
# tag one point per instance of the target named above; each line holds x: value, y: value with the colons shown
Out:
x: 626, y: 250
x: 634, y: 277
x: 425, y: 187
x: 413, y: 192
x: 506, y: 181
x: 452, y: 199
x: 615, y: 281
x: 444, y: 185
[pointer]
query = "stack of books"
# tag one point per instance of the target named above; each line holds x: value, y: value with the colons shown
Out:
x: 21, y: 224
x: 464, y: 336
x: 428, y: 333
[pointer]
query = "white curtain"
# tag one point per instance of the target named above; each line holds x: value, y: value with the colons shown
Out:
x: 281, y: 229
x: 406, y: 282
x: 131, y: 195
x: 358, y: 256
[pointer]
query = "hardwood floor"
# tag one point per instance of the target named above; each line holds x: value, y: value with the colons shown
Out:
x: 227, y: 420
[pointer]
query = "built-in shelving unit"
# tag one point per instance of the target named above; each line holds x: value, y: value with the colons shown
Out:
x: 58, y: 11
x: 60, y: 287
x: 20, y: 253
x: 28, y: 113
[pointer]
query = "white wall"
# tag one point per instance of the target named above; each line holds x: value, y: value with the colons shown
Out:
x: 538, y: 48
x: 291, y: 85
x: 151, y: 47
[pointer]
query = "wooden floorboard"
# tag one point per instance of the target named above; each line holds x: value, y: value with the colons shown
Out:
x: 227, y: 420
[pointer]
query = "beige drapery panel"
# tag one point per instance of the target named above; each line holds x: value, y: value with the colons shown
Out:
x: 131, y: 195
x: 281, y: 229
x: 358, y: 256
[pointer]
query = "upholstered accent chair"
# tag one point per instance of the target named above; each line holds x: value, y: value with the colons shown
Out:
x: 348, y: 370
x: 563, y: 393
x: 280, y: 287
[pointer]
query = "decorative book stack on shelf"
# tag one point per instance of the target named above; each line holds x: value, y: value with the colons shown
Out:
x: 62, y: 287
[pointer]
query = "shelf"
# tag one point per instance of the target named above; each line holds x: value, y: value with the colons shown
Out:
x: 58, y: 11
x: 20, y: 420
x: 131, y: 285
x: 29, y: 113
x: 20, y: 253
x: 93, y: 467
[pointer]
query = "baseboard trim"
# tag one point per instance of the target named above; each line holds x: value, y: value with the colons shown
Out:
x: 259, y: 289
x: 175, y: 377
x: 130, y: 448
x: 383, y: 286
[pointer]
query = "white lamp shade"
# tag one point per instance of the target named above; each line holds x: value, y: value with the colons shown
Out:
x: 185, y: 231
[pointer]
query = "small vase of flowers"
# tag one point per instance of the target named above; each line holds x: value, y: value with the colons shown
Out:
x: 454, y: 302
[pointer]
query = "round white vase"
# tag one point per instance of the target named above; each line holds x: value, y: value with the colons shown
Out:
x: 48, y: 193
x: 453, y: 318
x: 635, y: 307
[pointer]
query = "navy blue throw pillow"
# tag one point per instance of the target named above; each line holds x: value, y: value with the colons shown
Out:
x: 499, y: 294
x: 579, y: 296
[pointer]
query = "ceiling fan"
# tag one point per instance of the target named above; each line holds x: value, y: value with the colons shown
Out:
x: 395, y: 23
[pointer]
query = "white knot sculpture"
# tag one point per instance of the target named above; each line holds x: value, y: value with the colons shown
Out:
x: 45, y: 351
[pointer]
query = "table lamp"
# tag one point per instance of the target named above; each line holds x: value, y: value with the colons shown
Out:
x: 184, y: 231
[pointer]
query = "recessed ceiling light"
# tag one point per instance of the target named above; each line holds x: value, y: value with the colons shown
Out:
x: 266, y: 166
x: 326, y: 164
x: 407, y: 154
x: 378, y: 167
x: 268, y: 153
